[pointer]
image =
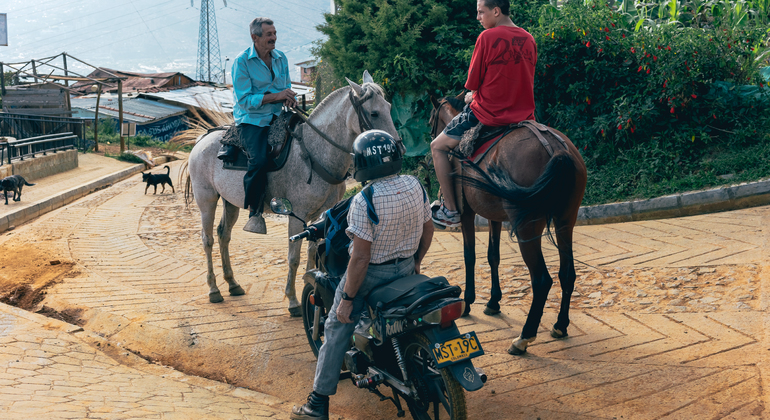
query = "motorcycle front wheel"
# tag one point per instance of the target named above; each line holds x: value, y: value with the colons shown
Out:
x: 439, y: 395
x: 308, y: 318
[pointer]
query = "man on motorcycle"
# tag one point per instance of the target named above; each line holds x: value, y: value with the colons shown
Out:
x: 380, y: 253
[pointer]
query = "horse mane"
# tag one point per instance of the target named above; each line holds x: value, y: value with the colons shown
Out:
x: 456, y: 103
x: 374, y: 88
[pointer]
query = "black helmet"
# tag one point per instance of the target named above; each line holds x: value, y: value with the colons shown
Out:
x: 375, y: 155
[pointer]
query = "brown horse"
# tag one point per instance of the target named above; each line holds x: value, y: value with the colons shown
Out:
x: 519, y: 181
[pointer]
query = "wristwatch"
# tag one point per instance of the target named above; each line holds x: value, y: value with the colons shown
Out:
x: 346, y: 297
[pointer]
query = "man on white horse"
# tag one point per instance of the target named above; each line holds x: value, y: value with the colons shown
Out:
x: 379, y: 254
x: 261, y: 85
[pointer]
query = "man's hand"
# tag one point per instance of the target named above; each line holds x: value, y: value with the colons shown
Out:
x: 288, y: 97
x: 344, y: 310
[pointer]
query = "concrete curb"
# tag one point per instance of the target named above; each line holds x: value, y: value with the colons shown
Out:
x: 42, y: 207
x: 734, y: 197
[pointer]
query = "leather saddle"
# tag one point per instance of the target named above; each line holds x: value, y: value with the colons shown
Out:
x: 279, y: 144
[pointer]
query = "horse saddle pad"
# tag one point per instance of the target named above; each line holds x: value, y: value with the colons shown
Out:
x: 279, y: 142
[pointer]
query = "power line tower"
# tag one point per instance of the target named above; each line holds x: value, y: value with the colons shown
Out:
x: 209, y: 64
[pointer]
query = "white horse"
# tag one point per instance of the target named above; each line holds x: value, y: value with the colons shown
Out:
x: 341, y: 116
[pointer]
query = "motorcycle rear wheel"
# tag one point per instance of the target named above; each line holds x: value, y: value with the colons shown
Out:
x: 308, y: 316
x: 440, y: 396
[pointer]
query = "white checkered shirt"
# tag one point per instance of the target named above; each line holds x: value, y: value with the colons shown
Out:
x: 402, y: 208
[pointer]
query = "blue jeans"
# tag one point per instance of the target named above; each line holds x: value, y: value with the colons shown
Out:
x: 337, y: 335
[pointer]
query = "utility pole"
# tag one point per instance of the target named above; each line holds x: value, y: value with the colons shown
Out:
x: 209, y: 64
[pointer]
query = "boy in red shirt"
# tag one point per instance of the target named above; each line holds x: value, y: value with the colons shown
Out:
x: 501, y: 79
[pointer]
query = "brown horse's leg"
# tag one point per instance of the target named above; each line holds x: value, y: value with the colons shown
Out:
x: 468, y: 220
x: 567, y: 278
x: 493, y: 256
x: 532, y: 253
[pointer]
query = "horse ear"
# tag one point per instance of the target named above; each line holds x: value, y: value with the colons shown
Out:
x: 434, y: 101
x: 356, y: 88
x: 368, y: 77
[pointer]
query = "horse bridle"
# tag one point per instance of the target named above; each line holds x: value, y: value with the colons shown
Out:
x: 363, y: 121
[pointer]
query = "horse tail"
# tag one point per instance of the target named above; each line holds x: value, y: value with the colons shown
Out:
x: 184, y: 181
x: 547, y: 197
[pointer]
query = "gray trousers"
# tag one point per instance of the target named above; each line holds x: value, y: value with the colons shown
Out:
x: 337, y: 334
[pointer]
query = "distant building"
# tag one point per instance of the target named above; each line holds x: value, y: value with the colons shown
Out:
x: 307, y: 70
x: 159, y: 120
x: 135, y: 82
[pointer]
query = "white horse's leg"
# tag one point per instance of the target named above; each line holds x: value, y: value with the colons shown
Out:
x: 225, y: 228
x: 295, y: 226
x: 207, y: 203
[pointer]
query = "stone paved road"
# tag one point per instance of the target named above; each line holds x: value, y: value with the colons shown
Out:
x: 50, y: 369
x: 669, y: 319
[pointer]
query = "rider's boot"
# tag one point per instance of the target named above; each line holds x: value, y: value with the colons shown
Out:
x: 256, y: 223
x: 317, y: 407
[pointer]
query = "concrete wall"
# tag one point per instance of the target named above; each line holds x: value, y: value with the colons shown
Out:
x: 43, y: 165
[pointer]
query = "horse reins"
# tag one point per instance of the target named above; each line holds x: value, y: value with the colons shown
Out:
x: 363, y: 121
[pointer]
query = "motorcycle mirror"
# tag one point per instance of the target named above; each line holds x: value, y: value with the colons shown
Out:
x: 280, y: 206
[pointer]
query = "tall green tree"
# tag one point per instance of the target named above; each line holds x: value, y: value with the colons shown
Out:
x: 409, y: 46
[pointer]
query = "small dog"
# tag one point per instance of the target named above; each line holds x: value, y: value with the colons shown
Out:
x: 155, y: 179
x: 13, y: 183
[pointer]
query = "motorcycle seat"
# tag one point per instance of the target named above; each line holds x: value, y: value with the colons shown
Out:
x: 407, y: 290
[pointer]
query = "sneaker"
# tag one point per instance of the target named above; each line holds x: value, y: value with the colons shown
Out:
x: 444, y: 217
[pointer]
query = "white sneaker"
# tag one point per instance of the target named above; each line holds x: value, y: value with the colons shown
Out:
x: 444, y: 217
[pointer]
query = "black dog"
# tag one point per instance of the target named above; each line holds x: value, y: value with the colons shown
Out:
x: 154, y: 180
x: 13, y: 183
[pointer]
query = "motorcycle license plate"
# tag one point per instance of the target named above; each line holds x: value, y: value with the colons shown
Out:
x: 461, y: 348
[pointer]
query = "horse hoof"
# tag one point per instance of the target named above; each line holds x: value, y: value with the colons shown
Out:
x: 237, y: 291
x: 295, y: 312
x: 491, y: 311
x: 467, y: 311
x: 558, y: 334
x: 519, y: 346
x: 215, y: 297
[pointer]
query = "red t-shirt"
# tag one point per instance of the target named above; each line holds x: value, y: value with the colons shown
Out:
x: 502, y: 73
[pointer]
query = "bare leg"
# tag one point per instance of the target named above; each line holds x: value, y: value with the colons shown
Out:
x: 440, y: 148
x: 224, y: 230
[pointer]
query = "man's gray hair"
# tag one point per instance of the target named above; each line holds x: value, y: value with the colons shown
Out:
x: 256, y: 25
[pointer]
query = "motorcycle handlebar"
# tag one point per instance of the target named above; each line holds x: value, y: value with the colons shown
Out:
x: 302, y: 235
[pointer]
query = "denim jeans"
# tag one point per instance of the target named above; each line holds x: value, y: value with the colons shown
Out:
x: 337, y: 335
x: 255, y: 180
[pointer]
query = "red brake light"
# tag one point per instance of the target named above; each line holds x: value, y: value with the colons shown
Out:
x: 451, y: 312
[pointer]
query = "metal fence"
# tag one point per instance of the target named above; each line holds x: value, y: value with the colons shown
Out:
x: 41, y: 145
x: 20, y: 126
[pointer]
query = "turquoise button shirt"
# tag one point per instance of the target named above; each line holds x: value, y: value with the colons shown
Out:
x: 252, y: 79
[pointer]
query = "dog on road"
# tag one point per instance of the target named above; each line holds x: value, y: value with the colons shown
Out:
x: 13, y: 183
x: 155, y: 179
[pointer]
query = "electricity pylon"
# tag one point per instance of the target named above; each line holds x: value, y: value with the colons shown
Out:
x: 209, y: 64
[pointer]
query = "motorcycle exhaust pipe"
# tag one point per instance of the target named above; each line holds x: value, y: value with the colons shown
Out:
x: 482, y: 375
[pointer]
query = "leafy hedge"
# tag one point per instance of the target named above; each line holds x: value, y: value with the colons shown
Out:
x: 651, y: 95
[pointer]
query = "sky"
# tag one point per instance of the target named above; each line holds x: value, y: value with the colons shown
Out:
x: 151, y: 35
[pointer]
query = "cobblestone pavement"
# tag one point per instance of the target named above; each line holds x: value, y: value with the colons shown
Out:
x: 669, y: 317
x: 51, y: 369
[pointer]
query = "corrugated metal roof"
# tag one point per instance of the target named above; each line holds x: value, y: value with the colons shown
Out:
x: 134, y: 109
x: 215, y: 98
x: 209, y: 97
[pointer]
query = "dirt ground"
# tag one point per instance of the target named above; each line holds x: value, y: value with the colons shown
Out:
x: 27, y: 271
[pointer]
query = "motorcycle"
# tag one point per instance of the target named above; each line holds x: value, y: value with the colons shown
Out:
x: 406, y: 340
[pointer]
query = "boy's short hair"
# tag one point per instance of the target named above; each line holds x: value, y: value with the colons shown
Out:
x: 504, y: 5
